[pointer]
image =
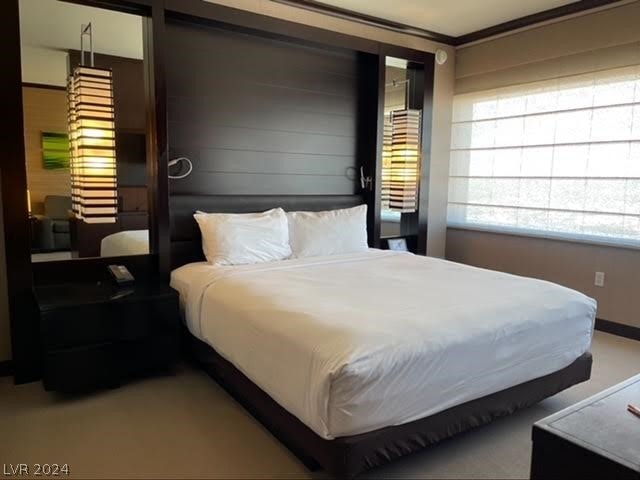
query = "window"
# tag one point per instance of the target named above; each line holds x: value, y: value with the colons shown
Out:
x: 559, y: 158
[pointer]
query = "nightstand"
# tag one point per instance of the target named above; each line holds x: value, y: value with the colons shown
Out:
x: 97, y: 335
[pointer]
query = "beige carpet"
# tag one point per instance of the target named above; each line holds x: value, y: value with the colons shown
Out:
x: 186, y: 426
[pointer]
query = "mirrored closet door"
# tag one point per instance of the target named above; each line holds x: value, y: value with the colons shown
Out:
x: 402, y: 153
x: 84, y: 130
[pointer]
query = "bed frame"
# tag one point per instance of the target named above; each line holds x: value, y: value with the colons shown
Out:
x: 344, y: 457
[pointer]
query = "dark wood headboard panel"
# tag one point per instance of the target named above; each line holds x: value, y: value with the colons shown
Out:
x: 186, y: 242
x: 266, y: 122
x: 260, y: 116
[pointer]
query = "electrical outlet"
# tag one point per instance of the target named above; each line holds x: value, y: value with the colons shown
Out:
x: 599, y: 280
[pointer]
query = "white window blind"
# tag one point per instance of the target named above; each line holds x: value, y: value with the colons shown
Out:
x: 558, y: 158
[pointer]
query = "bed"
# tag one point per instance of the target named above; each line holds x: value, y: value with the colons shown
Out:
x: 126, y: 242
x: 367, y: 379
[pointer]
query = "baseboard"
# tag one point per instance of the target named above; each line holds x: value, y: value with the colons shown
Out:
x: 619, y: 329
x: 6, y: 368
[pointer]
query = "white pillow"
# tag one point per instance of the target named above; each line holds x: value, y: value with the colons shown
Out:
x: 328, y: 233
x: 244, y: 238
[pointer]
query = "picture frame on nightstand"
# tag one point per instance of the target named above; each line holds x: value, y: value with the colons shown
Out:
x: 398, y: 244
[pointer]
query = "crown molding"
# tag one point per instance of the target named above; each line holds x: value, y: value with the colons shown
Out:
x: 535, y: 18
x: 502, y: 28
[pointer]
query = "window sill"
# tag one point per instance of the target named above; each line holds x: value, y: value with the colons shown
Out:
x: 596, y: 242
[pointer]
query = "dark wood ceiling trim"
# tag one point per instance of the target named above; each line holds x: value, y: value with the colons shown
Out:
x: 346, y: 14
x: 526, y: 21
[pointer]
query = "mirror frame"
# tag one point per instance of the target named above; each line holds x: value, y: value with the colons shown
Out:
x: 422, y: 66
x: 143, y: 9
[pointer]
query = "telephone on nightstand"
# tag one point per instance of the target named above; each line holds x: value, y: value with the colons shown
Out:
x: 121, y: 275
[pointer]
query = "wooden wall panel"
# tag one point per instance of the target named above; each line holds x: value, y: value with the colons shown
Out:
x: 261, y: 116
x: 45, y: 110
x: 266, y: 109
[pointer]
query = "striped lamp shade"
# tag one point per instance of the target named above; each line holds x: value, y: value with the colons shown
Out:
x: 386, y: 166
x: 405, y: 156
x: 92, y: 143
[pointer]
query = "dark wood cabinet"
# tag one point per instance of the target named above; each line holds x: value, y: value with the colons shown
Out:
x: 596, y: 438
x: 96, y: 335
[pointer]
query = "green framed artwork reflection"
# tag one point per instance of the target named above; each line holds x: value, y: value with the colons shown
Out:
x: 55, y: 150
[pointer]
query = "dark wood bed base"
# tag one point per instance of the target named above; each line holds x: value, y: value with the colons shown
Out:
x: 347, y: 457
x: 344, y: 457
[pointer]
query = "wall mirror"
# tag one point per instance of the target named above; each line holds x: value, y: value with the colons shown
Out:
x: 84, y: 131
x: 402, y: 148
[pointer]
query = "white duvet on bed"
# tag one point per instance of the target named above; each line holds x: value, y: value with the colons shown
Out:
x: 353, y: 343
x: 126, y: 242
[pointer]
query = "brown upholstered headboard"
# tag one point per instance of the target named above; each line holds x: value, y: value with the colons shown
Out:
x: 186, y: 244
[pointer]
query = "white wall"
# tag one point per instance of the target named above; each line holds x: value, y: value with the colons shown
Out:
x: 44, y: 66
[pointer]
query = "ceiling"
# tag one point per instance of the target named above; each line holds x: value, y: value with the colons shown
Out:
x: 54, y: 25
x: 450, y: 17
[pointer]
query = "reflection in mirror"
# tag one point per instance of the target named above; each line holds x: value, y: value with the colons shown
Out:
x: 85, y: 144
x: 401, y: 148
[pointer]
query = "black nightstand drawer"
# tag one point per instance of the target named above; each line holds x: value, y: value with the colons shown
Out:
x: 141, y: 320
x: 81, y: 368
x: 77, y: 326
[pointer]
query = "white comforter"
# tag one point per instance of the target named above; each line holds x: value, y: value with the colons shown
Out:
x: 353, y: 343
